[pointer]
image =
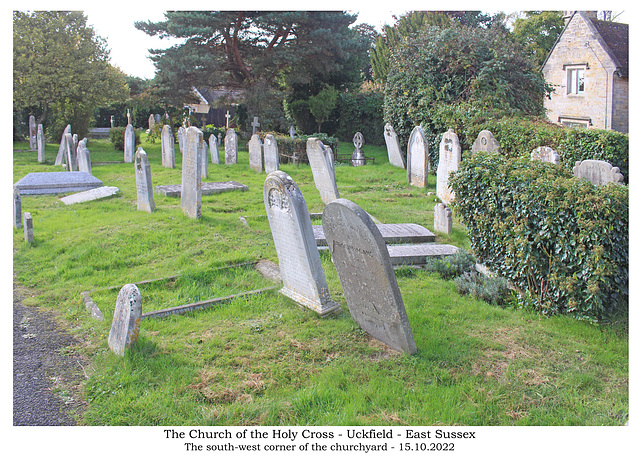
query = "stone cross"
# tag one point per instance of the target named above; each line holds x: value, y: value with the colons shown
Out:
x: 450, y: 156
x: 27, y: 223
x: 255, y: 124
x: 127, y: 316
x: 321, y: 162
x: 227, y: 116
x: 128, y: 117
x: 191, y: 195
x: 144, y: 187
x: 366, y: 275
x: 417, y: 159
x: 357, y: 157
x: 298, y: 258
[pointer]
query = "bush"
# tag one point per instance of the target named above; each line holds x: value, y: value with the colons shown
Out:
x: 560, y: 239
x: 491, y: 289
x: 116, y: 136
x: 449, y: 267
x: 361, y: 112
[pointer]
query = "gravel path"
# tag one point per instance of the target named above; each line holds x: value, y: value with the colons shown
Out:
x: 45, y: 373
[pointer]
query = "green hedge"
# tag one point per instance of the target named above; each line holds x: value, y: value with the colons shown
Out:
x: 298, y: 145
x: 361, y: 112
x: 563, y: 242
x: 116, y: 136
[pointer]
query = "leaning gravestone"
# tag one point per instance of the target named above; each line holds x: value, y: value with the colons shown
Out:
x: 299, y: 261
x: 71, y: 153
x: 597, y: 172
x: 485, y: 142
x: 126, y: 319
x: 129, y: 143
x: 417, y: 158
x: 27, y: 223
x: 191, y: 196
x: 366, y: 275
x: 32, y: 132
x: 181, y: 134
x: 271, y: 158
x: 450, y: 158
x: 231, y: 147
x: 168, y: 147
x: 213, y: 150
x: 255, y: 153
x: 144, y: 187
x: 60, y: 158
x: 40, y: 143
x: 17, y: 208
x: 546, y: 154
x: 442, y: 218
x: 84, y: 157
x: 357, y: 157
x: 204, y: 157
x: 321, y: 162
x: 393, y: 147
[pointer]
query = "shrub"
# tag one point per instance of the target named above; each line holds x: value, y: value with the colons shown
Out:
x: 449, y: 267
x: 116, y: 136
x: 491, y: 289
x: 561, y: 239
x: 361, y: 112
x: 298, y: 145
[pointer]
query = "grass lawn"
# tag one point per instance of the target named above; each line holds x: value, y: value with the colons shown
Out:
x: 263, y: 360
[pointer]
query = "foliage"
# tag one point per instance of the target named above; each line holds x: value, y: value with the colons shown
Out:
x: 452, y: 266
x: 361, y: 112
x: 561, y: 240
x: 322, y: 104
x: 116, y: 136
x: 537, y: 32
x: 491, y: 289
x: 289, y: 147
x: 61, y: 70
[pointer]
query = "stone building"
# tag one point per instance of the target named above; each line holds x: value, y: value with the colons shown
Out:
x: 589, y: 69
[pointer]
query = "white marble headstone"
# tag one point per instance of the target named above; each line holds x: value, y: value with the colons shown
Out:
x: 450, y: 157
x: 418, y: 158
x: 321, y: 162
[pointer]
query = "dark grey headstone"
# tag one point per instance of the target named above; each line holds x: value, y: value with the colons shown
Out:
x: 366, y: 275
x: 191, y: 197
x: 51, y: 183
x: 17, y: 208
x: 144, y: 187
x: 126, y: 319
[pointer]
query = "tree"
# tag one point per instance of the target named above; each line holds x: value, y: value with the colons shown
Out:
x: 322, y: 104
x: 537, y: 32
x: 61, y: 69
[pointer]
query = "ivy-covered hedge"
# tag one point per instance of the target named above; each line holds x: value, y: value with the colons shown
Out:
x: 562, y: 241
x: 298, y: 145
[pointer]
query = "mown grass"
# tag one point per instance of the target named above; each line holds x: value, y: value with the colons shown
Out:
x: 264, y: 360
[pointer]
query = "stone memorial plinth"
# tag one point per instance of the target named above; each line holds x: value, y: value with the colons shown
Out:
x: 40, y: 143
x: 168, y: 143
x: 144, y: 188
x: 391, y: 234
x: 206, y: 188
x: 90, y: 195
x: 52, y: 183
x: 231, y: 147
x: 27, y: 224
x: 417, y: 254
x: 485, y: 142
x: 191, y: 196
x: 60, y: 157
x: 396, y: 158
x: 450, y: 157
x: 17, y: 208
x: 125, y: 326
x: 418, y: 159
x: 129, y: 143
x: 598, y: 172
x: 84, y: 157
x: 546, y: 154
x: 255, y: 153
x: 271, y: 156
x: 366, y: 275
x: 442, y: 218
x: 298, y: 257
x: 213, y: 150
x: 321, y: 162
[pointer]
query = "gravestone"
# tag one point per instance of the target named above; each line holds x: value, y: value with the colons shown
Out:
x: 62, y: 150
x: 391, y: 234
x: 27, y: 224
x: 17, y: 208
x: 271, y: 157
x: 181, y: 133
x: 366, y: 275
x: 255, y: 125
x: 127, y: 316
x: 204, y: 157
x: 152, y: 122
x: 228, y: 117
x: 255, y: 153
x: 450, y: 157
x: 485, y: 142
x: 357, y: 157
x: 418, y: 254
x: 129, y: 143
x: 51, y: 183
x: 90, y: 195
x: 168, y: 147
x: 213, y: 150
x: 231, y: 147
x: 546, y: 154
x: 597, y: 172
x: 292, y: 131
x: 396, y: 158
x: 32, y: 133
x: 321, y: 162
x: 442, y: 218
x: 417, y: 158
x: 40, y: 143
x: 191, y: 196
x: 144, y: 187
x: 299, y: 261
x: 84, y: 157
x: 71, y: 154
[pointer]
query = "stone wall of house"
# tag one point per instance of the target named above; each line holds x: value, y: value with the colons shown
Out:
x: 620, y: 117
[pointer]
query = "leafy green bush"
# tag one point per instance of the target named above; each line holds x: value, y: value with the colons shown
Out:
x: 449, y: 267
x: 561, y: 239
x: 491, y: 289
x: 361, y: 112
x: 116, y: 136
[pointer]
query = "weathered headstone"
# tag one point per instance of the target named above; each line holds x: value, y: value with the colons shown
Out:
x: 321, y: 162
x: 181, y: 134
x: 125, y: 327
x: 597, y: 172
x: 396, y: 158
x: 90, y: 195
x: 71, y: 156
x: 366, y: 275
x: 357, y: 157
x: 418, y: 158
x: 168, y: 147
x: 144, y: 187
x: 442, y: 218
x: 204, y: 157
x: 152, y: 121
x: 255, y: 153
x: 191, y: 197
x: 299, y: 261
x: 83, y: 157
x: 546, y: 154
x: 32, y: 133
x: 450, y: 157
x: 17, y: 208
x: 213, y: 150
x: 27, y: 224
x: 231, y: 147
x: 129, y: 143
x: 485, y: 142
x: 255, y: 125
x: 62, y: 150
x: 40, y: 143
x: 271, y: 158
x: 418, y: 254
x: 391, y: 234
x: 292, y: 131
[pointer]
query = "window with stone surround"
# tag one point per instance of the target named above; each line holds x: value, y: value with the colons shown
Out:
x: 575, y: 79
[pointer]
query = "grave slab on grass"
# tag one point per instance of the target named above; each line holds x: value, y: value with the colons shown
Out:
x: 52, y: 183
x: 208, y: 188
x: 417, y: 254
x: 391, y: 233
x: 90, y: 195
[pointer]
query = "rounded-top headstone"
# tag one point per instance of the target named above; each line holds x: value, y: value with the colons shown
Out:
x: 126, y: 319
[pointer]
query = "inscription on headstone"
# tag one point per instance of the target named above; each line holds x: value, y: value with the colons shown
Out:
x: 40, y: 143
x: 450, y: 157
x: 417, y: 158
x: 168, y: 147
x: 27, y: 224
x: 598, y: 172
x: 213, y: 150
x: 129, y: 143
x: 366, y: 275
x: 127, y: 316
x: 396, y: 158
x: 485, y: 142
x: 321, y: 162
x: 442, y: 218
x: 546, y: 154
x: 231, y: 147
x: 255, y: 153
x: 144, y: 187
x: 191, y: 197
x: 271, y: 158
x: 299, y: 261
